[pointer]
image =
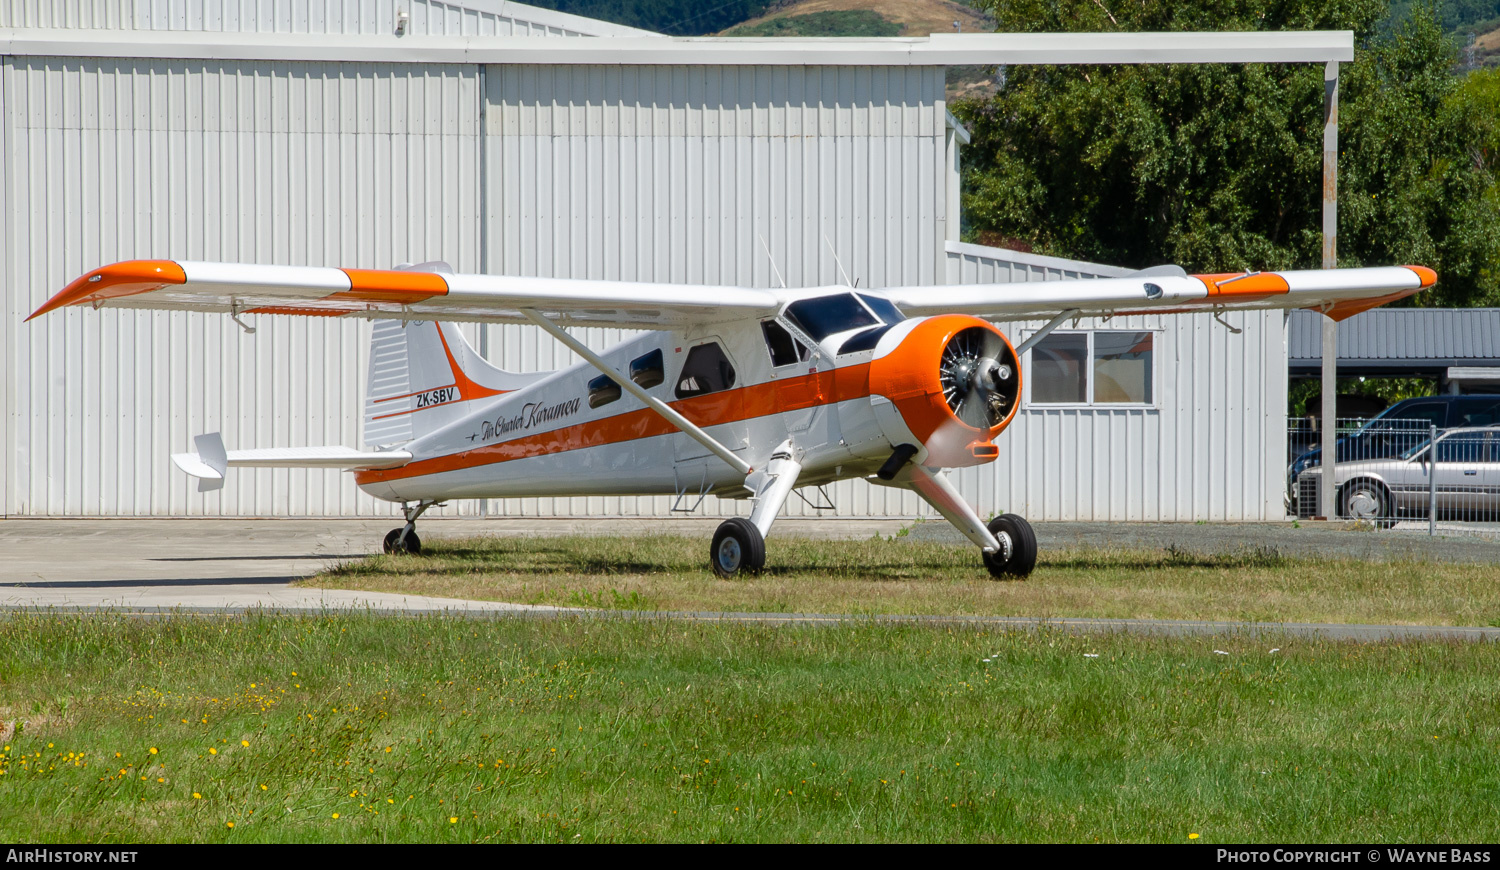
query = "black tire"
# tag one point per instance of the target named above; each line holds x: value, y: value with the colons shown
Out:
x: 737, y: 549
x: 412, y: 544
x: 1022, y: 559
x: 1366, y: 499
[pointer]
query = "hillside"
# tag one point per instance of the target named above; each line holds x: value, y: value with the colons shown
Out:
x: 862, y: 18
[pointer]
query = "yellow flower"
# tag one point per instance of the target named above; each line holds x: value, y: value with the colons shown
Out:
x: 1192, y: 836
x: 197, y: 796
x: 263, y: 787
x: 153, y: 750
x: 453, y: 820
x: 212, y: 751
x: 230, y: 824
x: 244, y: 743
x: 335, y: 815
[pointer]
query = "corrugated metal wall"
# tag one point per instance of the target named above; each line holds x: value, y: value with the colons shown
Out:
x: 317, y: 164
x: 678, y: 174
x: 649, y: 173
x: 426, y: 17
x: 1211, y: 449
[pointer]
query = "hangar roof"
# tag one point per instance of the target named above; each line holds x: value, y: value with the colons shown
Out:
x: 342, y: 17
x: 1401, y: 341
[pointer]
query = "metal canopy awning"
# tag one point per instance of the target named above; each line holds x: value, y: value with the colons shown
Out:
x: 1403, y: 342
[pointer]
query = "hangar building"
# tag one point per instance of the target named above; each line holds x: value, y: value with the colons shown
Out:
x: 509, y: 139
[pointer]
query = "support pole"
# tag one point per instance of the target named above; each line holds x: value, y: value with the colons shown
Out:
x: 1329, y: 439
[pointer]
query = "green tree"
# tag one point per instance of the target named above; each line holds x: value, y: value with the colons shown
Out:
x: 1219, y: 166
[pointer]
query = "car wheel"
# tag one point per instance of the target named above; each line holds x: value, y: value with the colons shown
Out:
x: 1367, y: 500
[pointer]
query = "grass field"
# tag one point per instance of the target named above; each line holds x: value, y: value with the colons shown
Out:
x: 903, y: 576
x: 361, y: 728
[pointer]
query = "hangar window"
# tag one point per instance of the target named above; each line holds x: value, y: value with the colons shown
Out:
x: 602, y: 391
x: 1097, y: 368
x: 707, y: 370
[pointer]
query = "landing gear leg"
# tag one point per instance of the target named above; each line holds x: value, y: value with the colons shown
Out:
x: 404, y: 539
x: 1008, y: 543
x: 739, y: 545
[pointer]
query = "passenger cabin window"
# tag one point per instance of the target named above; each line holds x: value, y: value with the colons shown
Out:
x: 823, y: 316
x: 1475, y: 412
x: 602, y: 391
x: 707, y: 370
x: 785, y: 350
x: 647, y: 370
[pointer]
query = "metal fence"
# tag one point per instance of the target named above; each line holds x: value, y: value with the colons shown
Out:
x: 1390, y: 474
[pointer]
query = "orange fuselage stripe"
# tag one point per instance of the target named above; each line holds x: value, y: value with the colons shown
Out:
x: 731, y: 406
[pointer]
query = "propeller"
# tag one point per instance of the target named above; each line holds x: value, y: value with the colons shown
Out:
x: 978, y: 375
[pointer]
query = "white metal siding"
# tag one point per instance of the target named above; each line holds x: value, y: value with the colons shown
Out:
x: 676, y: 173
x: 1211, y: 449
x: 426, y: 17
x: 316, y: 164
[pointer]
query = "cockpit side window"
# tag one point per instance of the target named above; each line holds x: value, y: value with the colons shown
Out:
x: 823, y: 316
x: 784, y: 349
x: 707, y: 370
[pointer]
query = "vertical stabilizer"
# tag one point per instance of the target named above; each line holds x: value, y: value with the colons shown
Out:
x: 423, y: 375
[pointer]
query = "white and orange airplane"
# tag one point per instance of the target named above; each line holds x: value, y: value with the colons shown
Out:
x: 738, y: 392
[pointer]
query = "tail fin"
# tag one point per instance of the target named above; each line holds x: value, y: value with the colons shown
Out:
x: 423, y: 376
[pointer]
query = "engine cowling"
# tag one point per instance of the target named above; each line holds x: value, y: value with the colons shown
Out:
x: 947, y: 385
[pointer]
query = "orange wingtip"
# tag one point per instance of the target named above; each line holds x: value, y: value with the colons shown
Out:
x: 115, y: 280
x: 1427, y: 276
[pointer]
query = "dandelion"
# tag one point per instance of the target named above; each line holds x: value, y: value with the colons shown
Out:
x: 244, y: 743
x: 1192, y: 836
x: 263, y: 787
x: 212, y: 751
x: 335, y: 815
x: 453, y: 820
x: 197, y: 796
x: 230, y: 824
x: 153, y: 750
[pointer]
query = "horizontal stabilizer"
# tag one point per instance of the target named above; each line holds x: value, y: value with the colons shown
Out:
x: 211, y: 460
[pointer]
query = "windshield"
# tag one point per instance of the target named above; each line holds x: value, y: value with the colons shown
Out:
x: 823, y: 316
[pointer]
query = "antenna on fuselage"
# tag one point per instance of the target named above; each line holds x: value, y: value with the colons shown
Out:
x: 836, y: 261
x: 772, y: 259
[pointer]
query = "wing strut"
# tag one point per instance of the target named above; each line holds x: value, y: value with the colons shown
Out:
x: 636, y: 390
x: 1044, y: 331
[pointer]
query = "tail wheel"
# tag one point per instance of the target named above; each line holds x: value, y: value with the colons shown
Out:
x: 1017, y: 562
x: 1367, y: 500
x: 737, y: 549
x: 395, y: 546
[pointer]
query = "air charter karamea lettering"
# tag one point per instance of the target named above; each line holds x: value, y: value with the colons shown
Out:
x: 532, y: 414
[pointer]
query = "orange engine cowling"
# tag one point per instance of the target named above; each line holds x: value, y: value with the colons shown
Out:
x: 952, y: 383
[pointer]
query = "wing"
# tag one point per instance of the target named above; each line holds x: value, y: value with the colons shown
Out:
x: 419, y: 295
x: 1341, y: 293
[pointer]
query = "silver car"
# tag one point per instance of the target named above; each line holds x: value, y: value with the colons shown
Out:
x: 1383, y: 490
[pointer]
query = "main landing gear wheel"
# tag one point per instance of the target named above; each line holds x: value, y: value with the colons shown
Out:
x: 737, y: 549
x: 396, y: 546
x: 1020, y: 559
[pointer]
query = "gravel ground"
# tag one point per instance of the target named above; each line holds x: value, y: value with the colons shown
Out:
x: 1333, y: 540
